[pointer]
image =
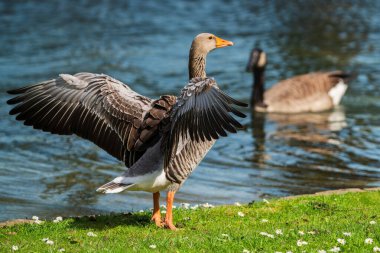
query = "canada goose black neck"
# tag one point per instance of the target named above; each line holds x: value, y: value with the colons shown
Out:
x: 257, y: 97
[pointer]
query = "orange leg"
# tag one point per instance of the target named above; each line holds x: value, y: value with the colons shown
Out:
x: 156, y: 217
x: 169, y: 215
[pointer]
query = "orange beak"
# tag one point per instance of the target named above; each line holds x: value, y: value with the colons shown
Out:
x: 223, y: 43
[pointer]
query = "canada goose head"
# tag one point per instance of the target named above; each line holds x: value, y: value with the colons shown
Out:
x: 203, y: 43
x: 257, y: 60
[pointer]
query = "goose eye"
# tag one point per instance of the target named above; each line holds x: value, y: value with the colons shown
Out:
x: 210, y: 38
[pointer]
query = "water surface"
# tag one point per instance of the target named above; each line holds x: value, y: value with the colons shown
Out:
x: 145, y: 44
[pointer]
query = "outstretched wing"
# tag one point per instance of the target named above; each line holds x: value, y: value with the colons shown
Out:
x: 202, y: 113
x: 93, y: 106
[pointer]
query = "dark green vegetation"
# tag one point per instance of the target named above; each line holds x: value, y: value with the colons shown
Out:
x: 323, y: 219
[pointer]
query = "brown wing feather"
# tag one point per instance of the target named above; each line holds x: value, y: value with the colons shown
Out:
x: 95, y: 107
x: 154, y: 120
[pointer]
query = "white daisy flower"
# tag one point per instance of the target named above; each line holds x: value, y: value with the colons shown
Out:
x: 14, y: 247
x: 265, y: 201
x: 57, y: 219
x: 246, y: 251
x: 376, y: 249
x: 335, y: 249
x: 225, y: 235
x: 322, y: 251
x: 277, y: 252
x: 207, y: 205
x: 368, y: 241
x: 311, y: 232
x: 301, y: 243
x: 163, y: 211
x: 45, y: 239
x: 347, y: 233
x: 266, y: 234
x: 301, y: 232
x: 91, y: 234
x: 50, y: 242
x: 35, y: 217
x: 194, y: 207
x: 341, y: 241
x: 372, y: 222
x: 37, y: 221
x: 279, y: 231
x: 289, y: 251
x: 241, y: 214
x: 61, y: 250
x: 237, y: 204
x: 152, y: 246
x: 264, y: 220
x: 185, y: 205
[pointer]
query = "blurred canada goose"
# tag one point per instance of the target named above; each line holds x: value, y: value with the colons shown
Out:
x: 161, y: 141
x: 313, y: 92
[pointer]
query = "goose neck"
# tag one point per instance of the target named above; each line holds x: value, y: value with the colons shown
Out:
x: 197, y: 63
x: 258, y: 86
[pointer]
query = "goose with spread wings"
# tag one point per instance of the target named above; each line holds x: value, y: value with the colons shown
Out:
x: 160, y: 141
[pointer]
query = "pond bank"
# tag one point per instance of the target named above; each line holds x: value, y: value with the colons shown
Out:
x: 350, y: 221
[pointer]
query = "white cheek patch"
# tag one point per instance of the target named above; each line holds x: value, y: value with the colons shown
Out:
x: 263, y: 60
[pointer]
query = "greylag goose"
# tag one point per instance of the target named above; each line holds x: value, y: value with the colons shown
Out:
x: 160, y: 141
x: 312, y: 92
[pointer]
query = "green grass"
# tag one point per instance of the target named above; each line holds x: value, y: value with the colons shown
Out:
x: 201, y: 230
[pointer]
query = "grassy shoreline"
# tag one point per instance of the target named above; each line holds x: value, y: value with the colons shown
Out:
x: 276, y: 226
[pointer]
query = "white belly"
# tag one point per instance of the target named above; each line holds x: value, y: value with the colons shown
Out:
x: 152, y: 182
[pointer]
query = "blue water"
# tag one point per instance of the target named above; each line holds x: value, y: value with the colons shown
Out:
x: 145, y: 44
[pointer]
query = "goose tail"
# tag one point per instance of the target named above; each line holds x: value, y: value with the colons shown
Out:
x: 341, y: 80
x: 336, y: 93
x: 114, y: 187
x: 341, y: 75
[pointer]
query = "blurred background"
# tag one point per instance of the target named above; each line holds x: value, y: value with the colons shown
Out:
x: 145, y: 44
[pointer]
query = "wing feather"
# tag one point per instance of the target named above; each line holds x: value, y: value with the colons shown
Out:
x: 202, y: 113
x: 95, y: 107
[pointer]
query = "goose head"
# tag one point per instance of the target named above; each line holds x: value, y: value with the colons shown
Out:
x: 257, y: 60
x: 203, y: 43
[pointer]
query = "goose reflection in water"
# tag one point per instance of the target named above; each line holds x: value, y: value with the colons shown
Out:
x: 310, y: 128
x: 305, y: 130
x: 310, y: 145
